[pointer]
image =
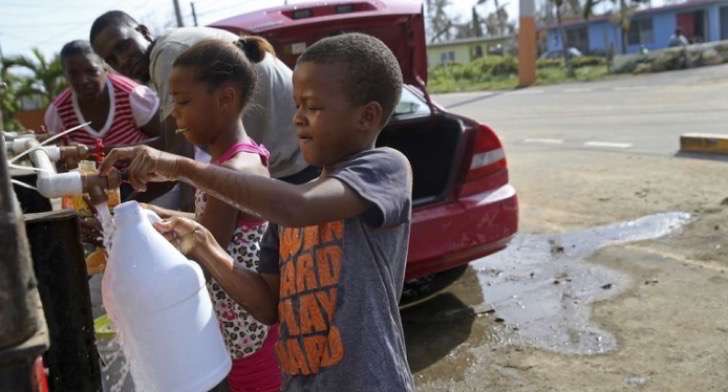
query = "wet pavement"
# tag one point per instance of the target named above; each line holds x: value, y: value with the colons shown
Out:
x: 542, y: 287
x: 538, y: 293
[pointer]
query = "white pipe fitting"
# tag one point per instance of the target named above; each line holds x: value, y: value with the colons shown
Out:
x: 58, y: 185
x: 49, y: 183
x: 19, y: 145
x: 54, y: 153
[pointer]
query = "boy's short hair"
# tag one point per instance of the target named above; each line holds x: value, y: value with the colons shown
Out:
x: 76, y: 47
x: 115, y: 18
x: 373, y: 70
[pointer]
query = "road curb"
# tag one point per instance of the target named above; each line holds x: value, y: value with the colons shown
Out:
x: 711, y: 143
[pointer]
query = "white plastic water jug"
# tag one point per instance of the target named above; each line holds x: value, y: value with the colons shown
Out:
x: 161, y: 309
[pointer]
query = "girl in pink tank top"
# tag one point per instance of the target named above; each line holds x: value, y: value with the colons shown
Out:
x: 210, y: 84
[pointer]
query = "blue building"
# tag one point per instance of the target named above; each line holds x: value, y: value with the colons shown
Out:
x: 699, y: 20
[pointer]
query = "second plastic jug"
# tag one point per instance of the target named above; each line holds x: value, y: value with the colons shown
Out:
x: 161, y: 309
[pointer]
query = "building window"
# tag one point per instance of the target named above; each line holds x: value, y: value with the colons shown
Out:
x: 477, y: 52
x: 640, y: 32
x: 447, y: 57
x: 578, y: 38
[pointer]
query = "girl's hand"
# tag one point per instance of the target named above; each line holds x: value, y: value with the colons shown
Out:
x: 155, y: 209
x: 188, y: 236
x: 147, y: 165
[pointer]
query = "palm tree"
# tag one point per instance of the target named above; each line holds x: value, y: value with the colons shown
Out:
x: 46, y: 79
x: 8, y: 105
x: 44, y: 82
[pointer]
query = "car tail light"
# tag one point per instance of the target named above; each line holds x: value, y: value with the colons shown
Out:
x: 487, y: 168
x: 39, y: 373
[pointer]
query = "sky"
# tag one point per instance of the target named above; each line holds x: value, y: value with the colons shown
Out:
x: 49, y: 24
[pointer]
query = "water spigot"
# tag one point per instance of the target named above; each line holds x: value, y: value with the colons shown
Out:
x: 96, y: 185
x: 73, y: 153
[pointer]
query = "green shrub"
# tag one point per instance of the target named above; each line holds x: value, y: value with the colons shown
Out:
x: 584, y: 61
x: 549, y: 63
x: 506, y: 66
x: 500, y: 72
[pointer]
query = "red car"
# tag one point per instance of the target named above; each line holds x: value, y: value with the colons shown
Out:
x: 465, y: 208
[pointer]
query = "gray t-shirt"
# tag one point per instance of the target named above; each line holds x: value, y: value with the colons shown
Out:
x: 269, y: 117
x: 340, y: 285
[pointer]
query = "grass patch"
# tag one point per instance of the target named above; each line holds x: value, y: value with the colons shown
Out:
x: 501, y: 73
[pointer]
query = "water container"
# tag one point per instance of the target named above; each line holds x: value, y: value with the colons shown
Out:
x: 161, y: 309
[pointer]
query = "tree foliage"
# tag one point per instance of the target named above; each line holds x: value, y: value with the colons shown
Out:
x: 28, y: 78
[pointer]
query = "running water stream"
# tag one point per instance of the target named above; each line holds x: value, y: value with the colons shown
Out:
x: 107, y: 224
x: 116, y: 372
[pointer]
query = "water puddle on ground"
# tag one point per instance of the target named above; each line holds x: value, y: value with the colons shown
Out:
x: 542, y: 289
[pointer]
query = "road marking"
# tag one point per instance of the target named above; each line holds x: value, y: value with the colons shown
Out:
x: 608, y: 144
x: 577, y: 90
x: 544, y: 141
x: 628, y: 88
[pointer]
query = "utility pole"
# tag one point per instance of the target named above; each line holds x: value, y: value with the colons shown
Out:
x: 178, y: 13
x: 526, y: 43
x: 3, y: 86
x: 194, y: 13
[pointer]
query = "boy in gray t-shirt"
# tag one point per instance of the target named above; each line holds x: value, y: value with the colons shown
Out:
x: 340, y: 284
x: 340, y: 279
x: 331, y: 275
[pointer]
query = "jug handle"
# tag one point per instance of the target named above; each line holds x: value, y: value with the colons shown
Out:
x: 152, y: 216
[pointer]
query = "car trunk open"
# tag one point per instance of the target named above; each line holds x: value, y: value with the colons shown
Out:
x: 432, y: 145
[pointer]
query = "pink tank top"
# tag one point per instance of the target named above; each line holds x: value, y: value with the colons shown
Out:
x: 250, y: 147
x: 243, y: 334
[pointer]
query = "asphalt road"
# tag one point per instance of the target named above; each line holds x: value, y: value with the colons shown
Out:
x: 618, y: 280
x: 644, y: 114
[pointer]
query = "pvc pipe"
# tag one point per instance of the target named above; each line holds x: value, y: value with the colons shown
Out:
x: 19, y: 145
x: 58, y: 185
x: 54, y: 152
x: 49, y: 183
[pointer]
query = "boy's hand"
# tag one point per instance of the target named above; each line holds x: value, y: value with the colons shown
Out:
x: 147, y: 165
x: 188, y: 236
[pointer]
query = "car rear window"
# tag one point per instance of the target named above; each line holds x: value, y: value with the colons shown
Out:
x: 411, y: 104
